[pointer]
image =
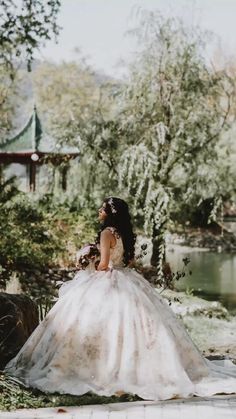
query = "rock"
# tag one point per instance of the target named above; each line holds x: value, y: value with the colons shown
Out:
x: 18, y: 318
x: 184, y: 305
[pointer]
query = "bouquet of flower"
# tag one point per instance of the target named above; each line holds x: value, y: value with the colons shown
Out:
x: 88, y: 256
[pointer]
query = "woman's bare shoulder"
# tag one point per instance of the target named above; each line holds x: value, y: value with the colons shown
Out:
x: 112, y: 231
x: 106, y: 233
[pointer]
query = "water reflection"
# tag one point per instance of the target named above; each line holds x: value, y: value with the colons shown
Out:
x: 213, y: 274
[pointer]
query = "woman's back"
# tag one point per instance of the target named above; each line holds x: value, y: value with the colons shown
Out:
x: 116, y: 252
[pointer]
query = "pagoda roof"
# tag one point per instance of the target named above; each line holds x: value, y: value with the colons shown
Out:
x: 31, y: 139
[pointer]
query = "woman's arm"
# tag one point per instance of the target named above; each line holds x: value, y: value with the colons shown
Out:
x: 105, y: 245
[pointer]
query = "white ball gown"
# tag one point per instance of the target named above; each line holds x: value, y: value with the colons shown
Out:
x: 111, y: 331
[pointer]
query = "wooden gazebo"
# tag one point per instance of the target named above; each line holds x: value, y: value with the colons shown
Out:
x: 31, y: 147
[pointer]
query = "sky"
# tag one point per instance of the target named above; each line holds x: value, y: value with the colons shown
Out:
x: 99, y: 28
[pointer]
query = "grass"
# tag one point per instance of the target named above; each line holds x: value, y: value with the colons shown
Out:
x: 14, y: 396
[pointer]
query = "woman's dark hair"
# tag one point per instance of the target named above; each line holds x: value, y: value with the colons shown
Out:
x: 118, y: 216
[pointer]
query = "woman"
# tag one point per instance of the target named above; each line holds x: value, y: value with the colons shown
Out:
x: 111, y: 332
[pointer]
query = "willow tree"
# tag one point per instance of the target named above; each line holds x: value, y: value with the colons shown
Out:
x: 174, y: 109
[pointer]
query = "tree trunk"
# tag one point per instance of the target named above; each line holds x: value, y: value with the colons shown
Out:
x: 157, y: 241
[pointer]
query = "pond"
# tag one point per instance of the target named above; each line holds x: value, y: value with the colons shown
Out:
x: 213, y: 274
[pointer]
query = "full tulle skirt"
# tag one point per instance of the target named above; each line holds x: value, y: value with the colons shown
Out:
x: 112, y: 331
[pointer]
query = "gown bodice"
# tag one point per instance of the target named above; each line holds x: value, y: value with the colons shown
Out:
x: 116, y: 252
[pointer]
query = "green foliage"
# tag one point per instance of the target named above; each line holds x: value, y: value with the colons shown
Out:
x: 24, y: 26
x: 78, y: 108
x: 69, y: 95
x: 27, y: 239
x: 8, y: 89
x: 74, y: 225
x: 14, y: 396
x: 36, y: 235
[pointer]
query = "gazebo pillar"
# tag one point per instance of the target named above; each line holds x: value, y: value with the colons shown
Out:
x: 32, y: 177
x: 64, y: 177
x: 1, y: 173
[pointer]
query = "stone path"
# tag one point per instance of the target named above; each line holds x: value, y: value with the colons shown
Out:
x: 217, y: 407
